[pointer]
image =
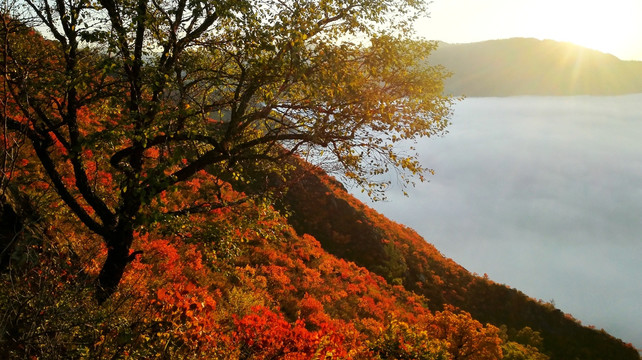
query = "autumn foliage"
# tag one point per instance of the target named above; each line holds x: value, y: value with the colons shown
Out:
x: 146, y: 203
x: 237, y: 282
x: 345, y: 226
x: 120, y: 102
x: 232, y: 283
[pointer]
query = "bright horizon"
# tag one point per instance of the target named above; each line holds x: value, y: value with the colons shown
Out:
x: 613, y: 27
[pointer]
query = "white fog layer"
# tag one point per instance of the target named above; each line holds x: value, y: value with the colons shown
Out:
x: 543, y: 194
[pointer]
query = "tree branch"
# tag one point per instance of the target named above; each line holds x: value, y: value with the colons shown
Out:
x: 203, y: 208
x: 209, y: 158
x: 61, y: 189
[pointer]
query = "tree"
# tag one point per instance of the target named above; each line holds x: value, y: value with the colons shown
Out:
x: 10, y: 144
x: 467, y: 338
x: 122, y: 101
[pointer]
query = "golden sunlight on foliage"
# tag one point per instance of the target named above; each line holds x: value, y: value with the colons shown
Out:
x: 122, y: 102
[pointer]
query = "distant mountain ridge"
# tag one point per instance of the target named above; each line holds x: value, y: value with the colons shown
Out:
x: 525, y: 66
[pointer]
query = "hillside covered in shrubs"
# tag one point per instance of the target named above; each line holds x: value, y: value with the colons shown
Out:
x: 155, y: 204
x: 332, y: 280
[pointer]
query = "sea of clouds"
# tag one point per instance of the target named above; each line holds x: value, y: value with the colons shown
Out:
x: 543, y: 194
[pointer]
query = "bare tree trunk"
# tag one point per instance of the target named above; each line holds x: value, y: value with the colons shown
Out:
x: 10, y: 228
x: 119, y: 244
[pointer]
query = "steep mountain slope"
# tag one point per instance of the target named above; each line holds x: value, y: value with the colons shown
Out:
x: 245, y: 282
x: 522, y: 66
x: 236, y: 283
x: 347, y: 228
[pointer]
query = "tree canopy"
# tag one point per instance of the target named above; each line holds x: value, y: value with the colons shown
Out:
x: 122, y: 101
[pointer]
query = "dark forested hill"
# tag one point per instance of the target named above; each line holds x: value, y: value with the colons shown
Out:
x: 350, y: 230
x: 522, y: 66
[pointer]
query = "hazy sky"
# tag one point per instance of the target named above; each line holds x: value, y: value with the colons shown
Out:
x: 613, y: 26
x: 545, y: 195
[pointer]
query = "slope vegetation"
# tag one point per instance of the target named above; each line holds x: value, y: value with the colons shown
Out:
x: 236, y: 283
x: 350, y: 230
x: 333, y: 280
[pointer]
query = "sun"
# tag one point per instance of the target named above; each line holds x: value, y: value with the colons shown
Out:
x: 599, y: 25
x: 611, y: 26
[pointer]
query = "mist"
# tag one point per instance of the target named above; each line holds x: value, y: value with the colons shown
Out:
x: 543, y: 194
